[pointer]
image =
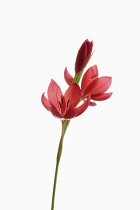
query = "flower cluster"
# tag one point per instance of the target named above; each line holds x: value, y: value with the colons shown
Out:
x: 93, y: 88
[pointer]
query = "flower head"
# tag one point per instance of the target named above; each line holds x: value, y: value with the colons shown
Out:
x: 95, y: 86
x: 83, y: 55
x: 64, y: 106
x: 91, y: 85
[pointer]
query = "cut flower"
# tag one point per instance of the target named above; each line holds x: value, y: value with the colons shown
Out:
x: 75, y: 100
x: 64, y: 106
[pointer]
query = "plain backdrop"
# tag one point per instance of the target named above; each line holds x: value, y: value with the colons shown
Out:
x: 100, y: 165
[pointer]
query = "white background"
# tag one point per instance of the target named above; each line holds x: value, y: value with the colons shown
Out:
x: 100, y: 166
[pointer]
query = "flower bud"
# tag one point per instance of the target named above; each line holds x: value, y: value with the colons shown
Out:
x: 83, y: 55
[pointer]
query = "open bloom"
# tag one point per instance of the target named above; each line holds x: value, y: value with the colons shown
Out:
x: 92, y: 85
x: 83, y: 55
x: 64, y: 106
x: 95, y: 86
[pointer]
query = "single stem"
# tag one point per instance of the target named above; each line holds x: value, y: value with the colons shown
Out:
x: 77, y: 76
x: 65, y: 124
x: 54, y: 185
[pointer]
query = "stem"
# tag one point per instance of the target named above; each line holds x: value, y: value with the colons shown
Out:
x: 77, y: 76
x: 65, y: 124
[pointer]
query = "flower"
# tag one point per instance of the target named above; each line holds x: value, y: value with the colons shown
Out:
x: 83, y: 55
x: 95, y: 86
x: 91, y: 85
x: 64, y: 106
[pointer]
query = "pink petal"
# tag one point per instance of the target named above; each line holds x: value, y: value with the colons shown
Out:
x: 101, y: 97
x: 90, y: 75
x: 55, y: 112
x: 68, y: 77
x: 72, y: 95
x: 55, y: 94
x: 98, y: 86
x: 92, y: 103
x: 71, y: 113
x: 45, y: 102
x: 83, y: 107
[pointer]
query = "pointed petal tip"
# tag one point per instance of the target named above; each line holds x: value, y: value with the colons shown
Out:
x: 45, y: 102
x: 68, y: 78
x: 54, y: 94
x: 92, y: 103
x: 53, y: 81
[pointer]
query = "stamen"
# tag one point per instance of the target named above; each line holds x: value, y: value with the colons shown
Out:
x: 60, y: 104
x: 61, y: 100
x: 68, y: 103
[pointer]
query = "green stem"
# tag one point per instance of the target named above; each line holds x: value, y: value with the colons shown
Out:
x: 77, y: 76
x: 65, y: 124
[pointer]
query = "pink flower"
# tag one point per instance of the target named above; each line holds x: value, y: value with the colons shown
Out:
x: 92, y: 85
x: 95, y: 86
x: 83, y: 55
x: 64, y: 106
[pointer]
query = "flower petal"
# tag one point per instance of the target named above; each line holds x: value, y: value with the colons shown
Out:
x: 71, y: 113
x: 72, y: 95
x: 68, y: 77
x: 92, y: 103
x: 45, y: 102
x: 101, y: 97
x: 90, y: 75
x: 98, y: 86
x: 83, y: 107
x: 55, y: 112
x: 55, y: 95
